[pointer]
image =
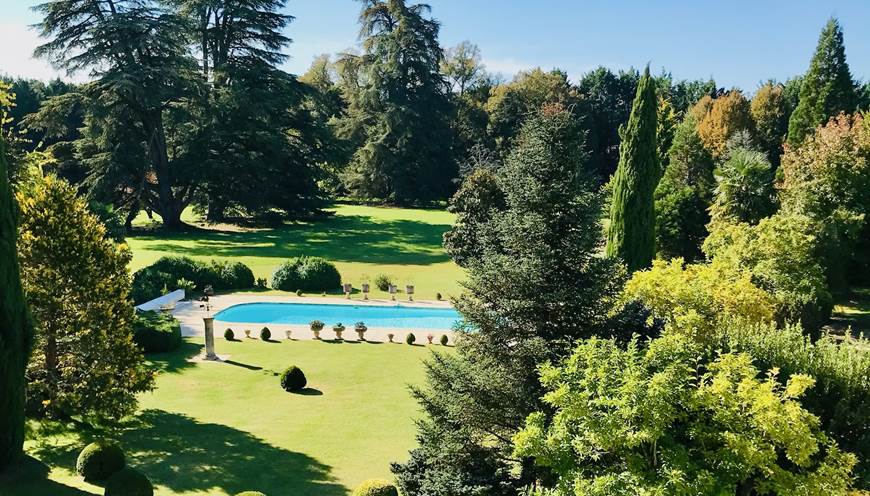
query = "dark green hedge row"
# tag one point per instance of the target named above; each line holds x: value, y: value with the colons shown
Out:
x: 306, y: 274
x: 156, y: 332
x: 149, y: 282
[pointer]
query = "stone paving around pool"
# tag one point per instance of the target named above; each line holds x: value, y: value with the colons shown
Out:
x: 191, y: 313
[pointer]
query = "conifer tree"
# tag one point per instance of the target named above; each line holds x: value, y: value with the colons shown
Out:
x: 15, y: 330
x: 827, y: 87
x: 631, y: 235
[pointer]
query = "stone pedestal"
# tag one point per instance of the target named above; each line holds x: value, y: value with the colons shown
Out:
x: 209, y: 338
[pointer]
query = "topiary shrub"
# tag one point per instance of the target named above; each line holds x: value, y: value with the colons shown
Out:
x: 99, y: 460
x: 410, y: 338
x: 265, y: 334
x: 383, y: 282
x: 129, y: 482
x: 229, y: 335
x: 229, y: 275
x: 251, y: 493
x: 376, y: 487
x: 444, y: 340
x: 306, y: 274
x: 156, y: 332
x: 293, y: 380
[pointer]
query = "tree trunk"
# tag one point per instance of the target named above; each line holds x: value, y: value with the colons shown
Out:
x: 15, y: 330
x: 169, y: 207
x: 216, y: 211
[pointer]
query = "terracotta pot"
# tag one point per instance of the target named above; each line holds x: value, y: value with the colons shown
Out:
x: 288, y: 332
x: 316, y: 333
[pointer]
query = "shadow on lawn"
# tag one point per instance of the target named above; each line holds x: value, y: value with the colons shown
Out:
x: 30, y: 476
x: 176, y: 360
x: 179, y: 452
x: 353, y: 238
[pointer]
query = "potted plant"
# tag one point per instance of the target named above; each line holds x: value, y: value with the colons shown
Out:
x: 430, y: 338
x: 316, y: 326
x: 392, y: 289
x: 348, y: 289
x: 409, y: 289
x: 390, y: 336
x: 288, y: 332
x: 248, y: 333
x: 208, y: 290
x: 360, y: 328
x: 365, y: 290
x: 338, y: 329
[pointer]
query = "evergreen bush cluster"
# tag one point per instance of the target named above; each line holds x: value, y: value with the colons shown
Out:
x: 293, y: 380
x: 165, y: 273
x: 376, y: 487
x: 156, y: 332
x: 306, y: 274
x: 99, y: 460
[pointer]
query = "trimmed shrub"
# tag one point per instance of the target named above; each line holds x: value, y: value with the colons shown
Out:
x: 293, y: 380
x: 129, y: 482
x: 376, y: 487
x: 306, y: 274
x: 156, y: 332
x: 168, y: 272
x: 298, y: 292
x: 99, y: 460
x: 410, y: 338
x: 229, y: 335
x: 444, y: 340
x: 383, y: 282
x: 265, y: 334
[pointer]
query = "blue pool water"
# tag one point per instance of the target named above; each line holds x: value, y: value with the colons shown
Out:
x: 373, y: 316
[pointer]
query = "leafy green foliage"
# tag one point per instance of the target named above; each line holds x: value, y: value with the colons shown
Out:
x: 293, y: 380
x: 826, y: 89
x: 477, y: 200
x: 99, y: 460
x: 841, y: 397
x: 167, y: 272
x: 129, y: 482
x: 16, y: 330
x: 156, y: 332
x: 75, y: 279
x: 827, y: 179
x: 383, y: 282
x: 229, y: 335
x: 744, y: 183
x: 631, y: 233
x: 375, y: 487
x: 655, y: 421
x: 400, y: 111
x: 770, y: 111
x: 683, y: 195
x: 410, y: 338
x: 265, y: 334
x: 306, y: 274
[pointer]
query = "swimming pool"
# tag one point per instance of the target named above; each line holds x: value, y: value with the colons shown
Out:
x: 373, y: 315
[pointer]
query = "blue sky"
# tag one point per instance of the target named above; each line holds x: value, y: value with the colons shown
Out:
x: 739, y: 43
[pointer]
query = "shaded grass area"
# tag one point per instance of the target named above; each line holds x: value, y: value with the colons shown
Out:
x: 364, y: 241
x: 221, y: 428
x: 853, y: 310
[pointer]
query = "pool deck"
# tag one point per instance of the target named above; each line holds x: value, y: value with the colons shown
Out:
x: 191, y: 313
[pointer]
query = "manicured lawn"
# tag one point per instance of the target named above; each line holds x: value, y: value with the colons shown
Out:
x: 217, y: 429
x: 363, y: 241
x: 853, y: 310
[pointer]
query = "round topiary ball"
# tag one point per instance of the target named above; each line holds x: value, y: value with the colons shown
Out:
x: 229, y: 335
x: 99, y: 460
x: 265, y: 334
x: 410, y: 338
x: 376, y: 487
x: 444, y: 340
x: 293, y: 379
x: 128, y: 482
x: 250, y: 493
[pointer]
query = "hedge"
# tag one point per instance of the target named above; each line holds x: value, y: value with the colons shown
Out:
x: 376, y: 487
x: 306, y: 274
x: 149, y: 282
x: 156, y: 332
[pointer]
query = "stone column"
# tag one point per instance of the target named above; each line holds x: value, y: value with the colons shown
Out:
x: 209, y: 338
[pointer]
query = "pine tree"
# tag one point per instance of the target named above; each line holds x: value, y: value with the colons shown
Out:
x: 631, y: 235
x: 15, y: 330
x: 827, y: 87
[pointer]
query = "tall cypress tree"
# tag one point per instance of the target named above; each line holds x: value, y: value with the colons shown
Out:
x: 15, y: 329
x: 827, y: 88
x: 631, y: 235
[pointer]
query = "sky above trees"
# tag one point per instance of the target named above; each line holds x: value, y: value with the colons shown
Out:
x: 739, y: 43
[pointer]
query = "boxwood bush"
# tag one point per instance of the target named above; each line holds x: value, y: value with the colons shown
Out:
x: 293, y: 380
x: 99, y: 460
x: 265, y: 334
x: 156, y: 332
x: 129, y: 482
x: 149, y: 282
x: 306, y: 274
x: 376, y: 487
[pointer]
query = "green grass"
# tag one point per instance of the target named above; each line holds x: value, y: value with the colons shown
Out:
x: 363, y: 241
x: 853, y: 310
x: 217, y: 429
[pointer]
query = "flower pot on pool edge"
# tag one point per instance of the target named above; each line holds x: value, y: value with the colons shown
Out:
x: 338, y: 329
x: 360, y: 329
